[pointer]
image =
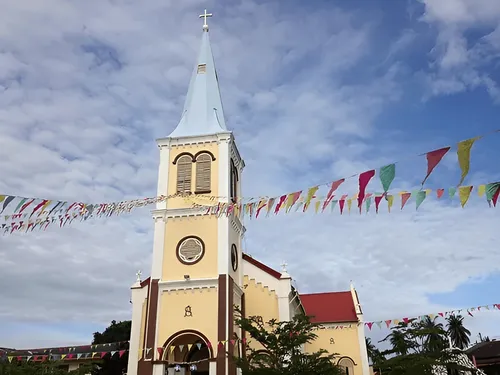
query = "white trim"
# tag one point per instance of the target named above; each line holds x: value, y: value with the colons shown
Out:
x: 163, y: 169
x: 171, y: 285
x: 138, y: 297
x: 160, y: 229
x: 198, y: 139
x: 223, y: 250
x: 179, y: 212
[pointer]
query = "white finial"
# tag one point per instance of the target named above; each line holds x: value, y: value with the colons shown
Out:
x: 204, y: 16
x: 138, y: 274
x: 283, y: 267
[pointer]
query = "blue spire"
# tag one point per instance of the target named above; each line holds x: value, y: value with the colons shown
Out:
x: 203, y: 113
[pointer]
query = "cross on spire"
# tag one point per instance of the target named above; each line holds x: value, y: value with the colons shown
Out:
x: 204, y: 16
x: 283, y: 266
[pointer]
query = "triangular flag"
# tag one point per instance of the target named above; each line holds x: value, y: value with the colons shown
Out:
x: 334, y: 203
x: 270, y: 205
x: 260, y: 206
x: 368, y: 203
x: 451, y: 192
x: 377, y: 202
x: 172, y: 348
x: 492, y: 190
x: 364, y: 179
x: 280, y: 203
x: 341, y: 206
x: 388, y: 323
x: 309, y: 197
x: 481, y: 189
x: 103, y: 354
x: 420, y: 198
x: 439, y: 193
x: 63, y: 356
x: 433, y: 159
x: 181, y: 347
x: 198, y: 345
x: 369, y: 325
x: 349, y: 205
x: 387, y: 175
x: 329, y: 196
x: 404, y: 198
x: 390, y: 202
x: 464, y: 194
x: 317, y: 206
x: 189, y: 347
x: 463, y: 153
x: 121, y: 353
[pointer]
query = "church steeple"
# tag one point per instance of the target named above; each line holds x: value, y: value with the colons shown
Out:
x: 202, y: 113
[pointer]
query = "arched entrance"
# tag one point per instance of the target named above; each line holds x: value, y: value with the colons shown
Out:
x: 187, y: 353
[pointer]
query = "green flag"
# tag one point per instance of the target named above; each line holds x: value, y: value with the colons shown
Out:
x: 387, y: 175
x: 420, y: 197
x: 368, y: 203
x: 491, y: 189
x: 452, y: 191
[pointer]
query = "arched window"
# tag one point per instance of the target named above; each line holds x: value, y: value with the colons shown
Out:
x: 347, y: 365
x: 234, y: 182
x: 184, y: 168
x: 203, y: 173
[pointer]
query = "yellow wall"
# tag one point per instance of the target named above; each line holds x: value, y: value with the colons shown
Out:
x: 143, y: 328
x: 259, y: 300
x: 346, y: 344
x: 204, y: 307
x: 204, y: 227
x: 172, y: 172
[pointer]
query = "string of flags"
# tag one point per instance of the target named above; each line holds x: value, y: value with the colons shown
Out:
x: 27, y: 214
x: 64, y: 357
x: 394, y: 322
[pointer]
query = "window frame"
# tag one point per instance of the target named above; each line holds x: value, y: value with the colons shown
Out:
x: 179, y: 245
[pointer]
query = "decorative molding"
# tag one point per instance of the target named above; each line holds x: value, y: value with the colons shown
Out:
x: 237, y: 225
x: 239, y: 292
x: 193, y: 140
x: 167, y: 286
x: 168, y: 213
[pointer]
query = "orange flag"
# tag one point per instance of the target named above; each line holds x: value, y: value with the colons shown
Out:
x: 404, y: 199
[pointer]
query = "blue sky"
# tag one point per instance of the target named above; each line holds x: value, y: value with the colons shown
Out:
x: 329, y: 88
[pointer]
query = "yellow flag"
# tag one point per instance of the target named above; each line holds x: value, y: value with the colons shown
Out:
x: 396, y: 322
x: 390, y: 201
x: 317, y: 205
x: 2, y: 198
x: 349, y: 204
x: 428, y: 192
x: 189, y: 347
x: 463, y: 153
x: 310, y: 194
x: 464, y: 194
x: 63, y: 356
x: 481, y: 189
x: 10, y: 358
x: 172, y: 347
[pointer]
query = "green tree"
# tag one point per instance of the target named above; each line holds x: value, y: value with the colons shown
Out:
x: 115, y: 332
x: 433, y: 333
x: 460, y: 336
x: 282, y: 348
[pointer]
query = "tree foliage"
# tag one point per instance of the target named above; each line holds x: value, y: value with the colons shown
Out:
x: 418, y: 347
x: 115, y: 332
x: 277, y: 348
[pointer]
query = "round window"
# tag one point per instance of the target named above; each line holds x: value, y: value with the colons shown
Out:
x: 190, y: 250
x: 234, y: 257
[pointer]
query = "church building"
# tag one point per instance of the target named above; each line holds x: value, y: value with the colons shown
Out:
x: 183, y: 314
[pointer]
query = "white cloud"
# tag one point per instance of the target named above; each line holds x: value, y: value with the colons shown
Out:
x: 88, y: 86
x: 460, y: 63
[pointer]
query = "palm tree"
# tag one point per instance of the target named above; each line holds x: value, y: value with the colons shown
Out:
x: 399, y: 341
x: 434, y: 334
x: 460, y: 336
x: 373, y: 353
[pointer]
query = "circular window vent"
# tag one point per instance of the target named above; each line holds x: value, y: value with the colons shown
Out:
x: 234, y: 257
x: 190, y: 250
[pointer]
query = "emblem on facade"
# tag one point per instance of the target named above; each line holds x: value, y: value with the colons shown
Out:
x: 332, y: 341
x: 188, y: 312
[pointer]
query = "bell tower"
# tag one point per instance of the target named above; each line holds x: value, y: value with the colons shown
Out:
x: 183, y: 314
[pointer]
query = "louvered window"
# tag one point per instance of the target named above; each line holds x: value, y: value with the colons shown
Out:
x: 347, y: 365
x: 203, y: 173
x: 184, y: 168
x: 234, y: 182
x: 190, y: 250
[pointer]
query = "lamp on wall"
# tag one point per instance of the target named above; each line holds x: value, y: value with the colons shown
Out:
x: 193, y: 367
x: 177, y: 368
x: 186, y: 277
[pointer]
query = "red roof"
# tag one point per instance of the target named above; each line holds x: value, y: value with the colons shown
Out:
x: 261, y: 266
x: 331, y: 307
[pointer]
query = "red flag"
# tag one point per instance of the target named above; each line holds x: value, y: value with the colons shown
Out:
x: 369, y: 325
x: 341, y: 205
x: 121, y: 352
x: 25, y: 205
x: 468, y: 312
x: 329, y: 196
x: 103, y: 354
x: 406, y: 320
x: 440, y: 193
x: 495, y: 197
x: 441, y: 315
x: 377, y: 202
x: 404, y: 199
x: 433, y: 159
x: 160, y: 353
x: 364, y: 179
x: 280, y: 203
x: 388, y: 323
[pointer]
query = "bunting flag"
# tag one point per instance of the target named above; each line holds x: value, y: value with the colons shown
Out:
x: 23, y: 214
x: 469, y: 311
x: 433, y: 159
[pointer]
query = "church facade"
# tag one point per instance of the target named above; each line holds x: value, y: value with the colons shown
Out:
x: 183, y: 314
